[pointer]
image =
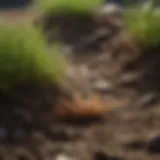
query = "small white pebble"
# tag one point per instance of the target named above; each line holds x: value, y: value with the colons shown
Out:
x: 64, y: 157
x: 102, y: 85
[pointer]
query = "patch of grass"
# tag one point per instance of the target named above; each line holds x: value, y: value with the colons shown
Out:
x: 69, y: 6
x: 26, y: 58
x: 143, y: 22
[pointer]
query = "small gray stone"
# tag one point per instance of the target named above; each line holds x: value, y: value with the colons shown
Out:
x: 102, y: 85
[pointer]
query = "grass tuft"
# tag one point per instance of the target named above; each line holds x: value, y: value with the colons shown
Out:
x: 69, y: 6
x: 26, y: 58
x: 143, y: 22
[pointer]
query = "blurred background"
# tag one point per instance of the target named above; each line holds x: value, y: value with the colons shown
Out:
x: 23, y: 3
x: 14, y: 3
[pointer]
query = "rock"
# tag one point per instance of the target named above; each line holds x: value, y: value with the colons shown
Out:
x: 64, y: 157
x: 111, y: 15
x: 102, y: 85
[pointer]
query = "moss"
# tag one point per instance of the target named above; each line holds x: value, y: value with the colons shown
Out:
x: 25, y: 57
x: 143, y: 23
x: 69, y: 6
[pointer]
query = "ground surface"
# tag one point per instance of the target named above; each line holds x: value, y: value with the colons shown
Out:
x: 99, y: 66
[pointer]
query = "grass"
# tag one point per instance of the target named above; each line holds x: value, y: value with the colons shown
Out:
x: 26, y: 58
x: 69, y: 6
x: 144, y: 24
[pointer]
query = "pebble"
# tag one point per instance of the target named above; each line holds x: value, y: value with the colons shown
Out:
x: 64, y: 157
x: 146, y: 101
x: 110, y: 10
x: 102, y: 85
x: 111, y: 14
x: 128, y: 78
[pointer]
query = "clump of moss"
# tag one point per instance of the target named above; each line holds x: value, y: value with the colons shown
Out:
x: 143, y: 22
x: 55, y: 7
x: 25, y: 57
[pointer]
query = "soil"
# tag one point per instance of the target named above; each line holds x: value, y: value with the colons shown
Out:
x: 111, y: 110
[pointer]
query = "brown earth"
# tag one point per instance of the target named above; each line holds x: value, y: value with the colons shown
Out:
x: 111, y: 102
